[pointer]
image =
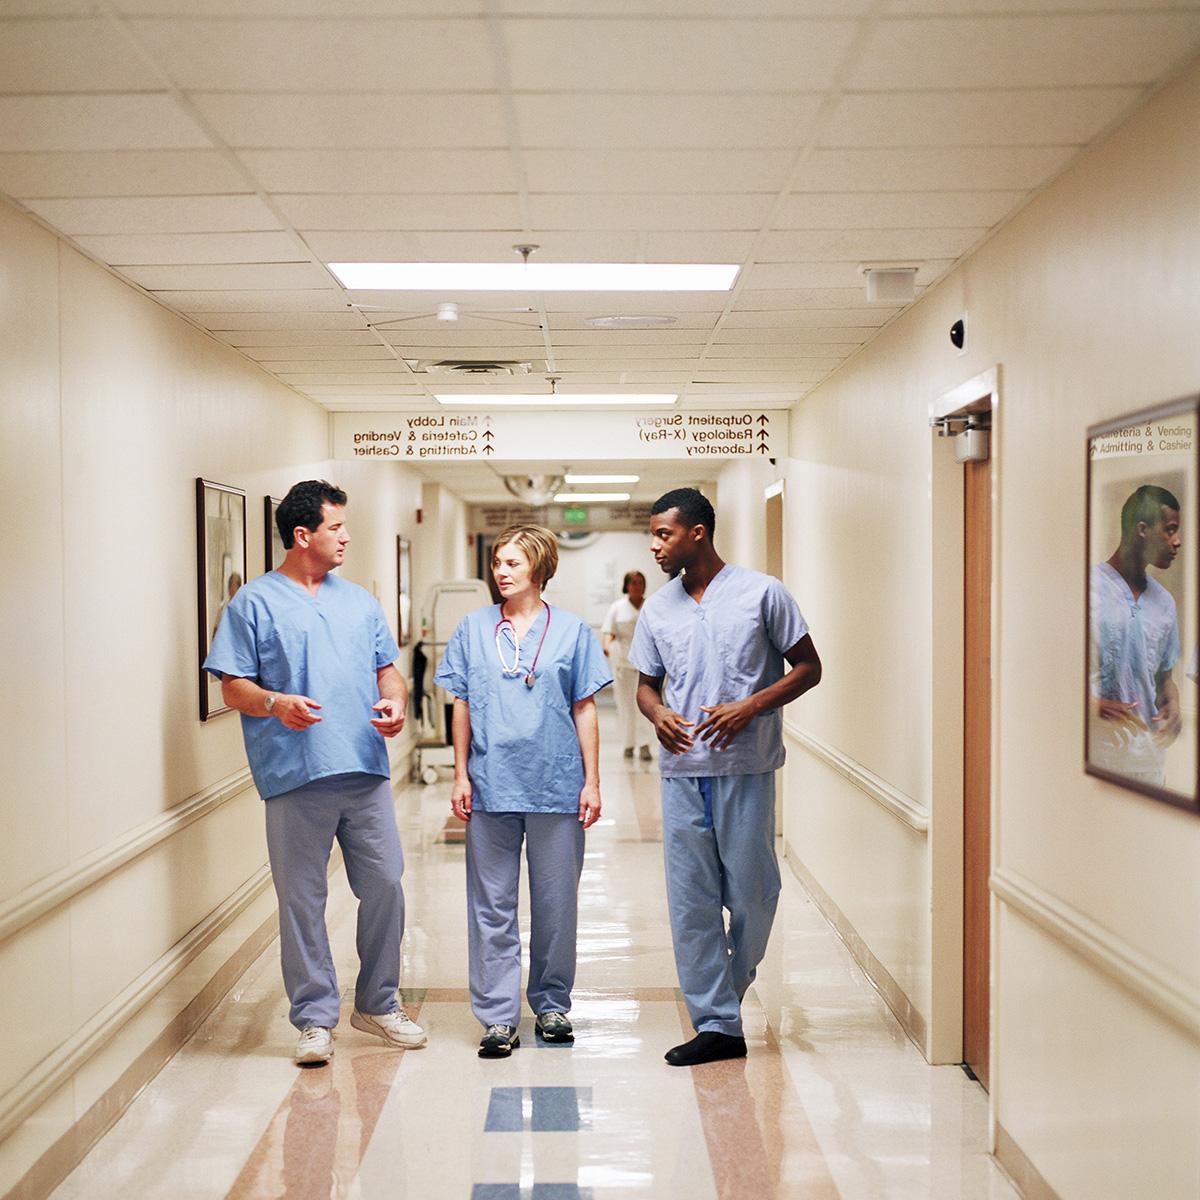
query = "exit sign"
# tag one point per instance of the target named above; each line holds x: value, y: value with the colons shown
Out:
x: 574, y: 515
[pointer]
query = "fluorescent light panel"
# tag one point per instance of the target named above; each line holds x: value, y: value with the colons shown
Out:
x: 557, y: 399
x: 574, y: 479
x: 535, y: 277
x: 589, y: 497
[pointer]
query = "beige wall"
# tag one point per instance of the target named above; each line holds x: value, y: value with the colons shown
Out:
x: 109, y: 408
x: 1088, y: 304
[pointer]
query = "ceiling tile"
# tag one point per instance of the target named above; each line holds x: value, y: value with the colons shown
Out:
x: 299, y: 54
x: 827, y: 325
x: 343, y: 379
x: 895, y: 210
x: 389, y: 365
x: 765, y: 276
x: 796, y: 300
x: 250, y: 321
x: 251, y: 300
x: 362, y: 120
x: 952, y: 169
x: 865, y: 244
x: 176, y: 248
x: 612, y: 120
x: 299, y: 8
x: 1011, y: 117
x: 286, y: 341
x: 396, y: 212
x: 668, y: 212
x: 689, y: 8
x: 156, y: 214
x: 1034, y: 51
x: 367, y: 171
x: 293, y: 276
x: 137, y: 122
x: 118, y: 173
x: 977, y: 7
x: 84, y: 55
x: 263, y: 348
x: 665, y: 55
x: 471, y: 247
x: 624, y: 171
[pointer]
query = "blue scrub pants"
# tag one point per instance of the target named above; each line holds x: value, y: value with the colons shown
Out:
x: 554, y: 852
x: 302, y: 824
x: 719, y: 849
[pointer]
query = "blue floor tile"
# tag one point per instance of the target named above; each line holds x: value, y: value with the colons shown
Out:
x: 504, y: 1111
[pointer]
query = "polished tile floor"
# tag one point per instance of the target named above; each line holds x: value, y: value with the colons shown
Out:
x: 833, y: 1101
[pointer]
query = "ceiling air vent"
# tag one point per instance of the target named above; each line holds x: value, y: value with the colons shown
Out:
x: 472, y: 366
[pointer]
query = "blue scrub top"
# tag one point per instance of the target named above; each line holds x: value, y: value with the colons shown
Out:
x: 327, y: 647
x: 725, y: 648
x: 525, y: 754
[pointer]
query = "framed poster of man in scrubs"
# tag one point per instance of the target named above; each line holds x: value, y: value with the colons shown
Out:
x: 220, y: 571
x: 1141, y: 723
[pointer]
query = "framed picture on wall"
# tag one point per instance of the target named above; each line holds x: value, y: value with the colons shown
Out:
x: 403, y: 591
x: 273, y: 548
x: 220, y: 571
x: 1141, y: 727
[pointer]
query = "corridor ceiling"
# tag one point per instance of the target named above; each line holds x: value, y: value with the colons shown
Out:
x: 217, y: 153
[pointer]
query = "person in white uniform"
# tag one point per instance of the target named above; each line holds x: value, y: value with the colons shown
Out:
x: 721, y: 650
x: 616, y: 636
x: 1135, y: 712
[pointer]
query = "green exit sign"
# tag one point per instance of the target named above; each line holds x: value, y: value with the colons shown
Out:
x: 574, y: 515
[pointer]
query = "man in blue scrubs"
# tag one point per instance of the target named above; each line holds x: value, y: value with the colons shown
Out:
x: 308, y: 660
x: 711, y: 648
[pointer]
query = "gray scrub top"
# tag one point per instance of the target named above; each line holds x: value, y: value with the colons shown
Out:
x: 725, y: 648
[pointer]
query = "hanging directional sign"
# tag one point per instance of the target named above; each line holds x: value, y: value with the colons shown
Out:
x: 559, y: 436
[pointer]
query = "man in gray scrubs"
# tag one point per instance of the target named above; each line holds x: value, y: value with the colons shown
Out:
x: 711, y: 648
x: 308, y: 660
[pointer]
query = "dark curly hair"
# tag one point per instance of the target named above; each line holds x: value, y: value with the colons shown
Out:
x: 302, y: 506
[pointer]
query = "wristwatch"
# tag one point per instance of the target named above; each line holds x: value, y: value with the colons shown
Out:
x: 269, y: 702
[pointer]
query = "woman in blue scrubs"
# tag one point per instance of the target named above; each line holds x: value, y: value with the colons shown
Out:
x: 526, y: 769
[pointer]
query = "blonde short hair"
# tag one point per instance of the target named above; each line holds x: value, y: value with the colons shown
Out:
x: 538, y: 545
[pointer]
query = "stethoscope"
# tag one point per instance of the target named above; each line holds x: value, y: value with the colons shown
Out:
x: 513, y: 670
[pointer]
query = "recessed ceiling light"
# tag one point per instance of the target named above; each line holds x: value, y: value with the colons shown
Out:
x: 556, y: 400
x: 589, y: 497
x: 602, y: 478
x: 621, y: 321
x: 536, y: 277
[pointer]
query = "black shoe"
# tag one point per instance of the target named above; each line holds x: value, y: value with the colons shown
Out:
x: 706, y: 1047
x: 555, y: 1027
x: 499, y: 1041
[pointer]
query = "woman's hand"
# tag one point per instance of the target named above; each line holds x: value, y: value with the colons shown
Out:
x: 589, y: 805
x: 460, y: 798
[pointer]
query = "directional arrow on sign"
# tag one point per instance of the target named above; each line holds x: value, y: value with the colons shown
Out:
x: 762, y: 418
x: 487, y: 433
x: 763, y: 449
x: 487, y: 450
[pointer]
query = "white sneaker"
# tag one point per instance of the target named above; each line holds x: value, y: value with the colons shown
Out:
x: 315, y: 1045
x: 395, y: 1028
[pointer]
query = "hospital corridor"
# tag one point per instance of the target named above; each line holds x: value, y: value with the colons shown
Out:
x: 601, y: 599
x: 832, y: 1101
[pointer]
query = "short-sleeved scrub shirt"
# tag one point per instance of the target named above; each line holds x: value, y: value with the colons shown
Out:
x: 327, y: 647
x: 723, y: 649
x: 1135, y: 639
x: 525, y: 754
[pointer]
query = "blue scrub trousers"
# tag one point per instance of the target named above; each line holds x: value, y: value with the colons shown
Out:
x: 719, y: 849
x: 302, y: 824
x: 554, y: 851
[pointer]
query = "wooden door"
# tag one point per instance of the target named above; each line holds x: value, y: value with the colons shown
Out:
x: 977, y: 762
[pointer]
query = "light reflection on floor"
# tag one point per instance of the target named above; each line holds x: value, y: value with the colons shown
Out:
x: 833, y: 1101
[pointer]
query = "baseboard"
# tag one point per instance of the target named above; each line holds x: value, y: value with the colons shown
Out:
x: 1026, y: 1177
x: 64, y: 1154
x: 894, y: 996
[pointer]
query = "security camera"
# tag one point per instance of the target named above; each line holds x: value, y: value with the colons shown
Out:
x: 958, y: 334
